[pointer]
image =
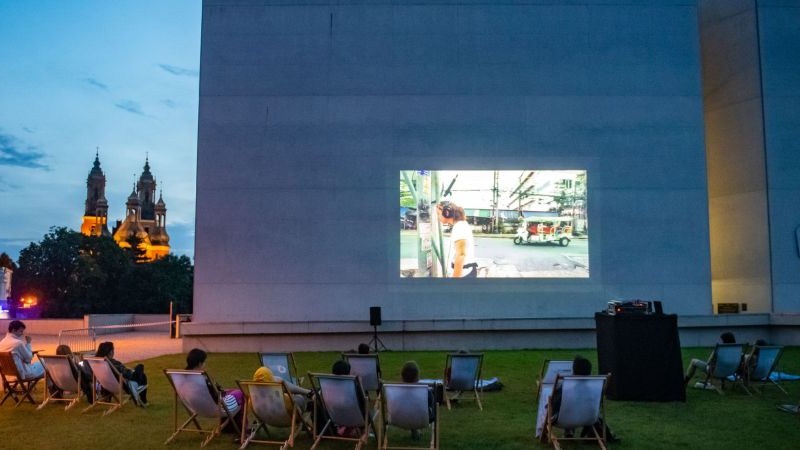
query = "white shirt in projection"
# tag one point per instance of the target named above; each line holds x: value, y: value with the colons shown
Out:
x: 461, y: 231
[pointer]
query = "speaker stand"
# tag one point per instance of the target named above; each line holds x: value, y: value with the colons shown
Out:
x: 376, y: 342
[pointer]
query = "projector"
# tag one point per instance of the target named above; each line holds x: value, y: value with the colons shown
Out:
x: 629, y: 307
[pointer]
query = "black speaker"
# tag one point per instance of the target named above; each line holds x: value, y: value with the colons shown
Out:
x: 659, y: 309
x: 374, y: 316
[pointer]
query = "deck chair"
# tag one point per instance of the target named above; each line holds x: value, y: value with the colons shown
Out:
x: 62, y: 372
x: 266, y: 404
x: 406, y: 406
x: 15, y: 387
x: 462, y: 373
x: 727, y: 361
x: 282, y: 366
x: 581, y: 406
x: 199, y: 396
x: 767, y: 358
x: 546, y: 382
x: 346, y: 405
x: 367, y: 367
x: 109, y: 385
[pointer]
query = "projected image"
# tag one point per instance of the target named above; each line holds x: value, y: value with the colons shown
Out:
x: 493, y: 224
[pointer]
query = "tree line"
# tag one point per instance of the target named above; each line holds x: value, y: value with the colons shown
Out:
x: 71, y: 274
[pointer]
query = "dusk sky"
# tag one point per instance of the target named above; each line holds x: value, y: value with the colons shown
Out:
x: 121, y: 76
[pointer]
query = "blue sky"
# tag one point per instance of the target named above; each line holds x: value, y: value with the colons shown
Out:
x: 76, y: 75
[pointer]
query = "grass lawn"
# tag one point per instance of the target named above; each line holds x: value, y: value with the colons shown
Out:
x: 707, y: 420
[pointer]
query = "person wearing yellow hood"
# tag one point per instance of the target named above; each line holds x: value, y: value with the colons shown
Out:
x: 299, y: 394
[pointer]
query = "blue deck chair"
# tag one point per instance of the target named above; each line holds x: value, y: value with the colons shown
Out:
x: 581, y: 406
x: 407, y: 406
x: 727, y: 361
x: 270, y: 405
x: 346, y: 406
x: 462, y: 374
x: 767, y: 358
x: 282, y: 366
x: 546, y: 382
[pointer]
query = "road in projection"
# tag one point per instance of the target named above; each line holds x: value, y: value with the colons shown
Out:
x: 504, y: 259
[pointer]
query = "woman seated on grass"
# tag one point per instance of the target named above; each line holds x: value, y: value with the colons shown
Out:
x: 134, y: 378
x: 233, y: 398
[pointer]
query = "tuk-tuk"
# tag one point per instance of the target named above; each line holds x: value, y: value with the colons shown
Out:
x: 544, y: 230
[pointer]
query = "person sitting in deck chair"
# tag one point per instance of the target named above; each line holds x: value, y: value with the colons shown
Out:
x: 233, y: 398
x: 19, y: 345
x: 300, y: 395
x: 85, y: 370
x: 580, y: 366
x: 409, y: 373
x: 134, y: 378
x: 708, y: 365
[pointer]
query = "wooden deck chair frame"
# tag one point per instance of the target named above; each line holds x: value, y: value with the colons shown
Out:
x: 349, y: 357
x: 58, y: 369
x: 545, y: 384
x: 15, y: 387
x: 213, y: 394
x: 477, y: 389
x: 599, y: 438
x: 316, y: 386
x: 768, y: 370
x: 729, y: 368
x: 117, y: 397
x: 383, y: 428
x: 296, y: 422
x: 290, y: 369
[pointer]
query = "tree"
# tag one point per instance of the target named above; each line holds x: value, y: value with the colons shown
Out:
x: 136, y: 250
x: 72, y: 275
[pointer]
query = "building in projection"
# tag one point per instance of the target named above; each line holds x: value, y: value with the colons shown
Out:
x: 683, y: 115
x: 145, y: 219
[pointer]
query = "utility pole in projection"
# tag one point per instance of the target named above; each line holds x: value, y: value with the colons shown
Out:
x: 495, y: 201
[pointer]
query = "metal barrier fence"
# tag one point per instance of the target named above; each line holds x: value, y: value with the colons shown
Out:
x: 78, y: 339
x: 85, y: 339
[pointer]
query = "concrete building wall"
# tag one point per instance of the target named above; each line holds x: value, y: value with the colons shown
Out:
x: 737, y: 176
x: 309, y: 112
x: 779, y: 33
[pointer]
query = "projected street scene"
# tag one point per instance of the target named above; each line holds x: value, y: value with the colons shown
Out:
x: 493, y: 224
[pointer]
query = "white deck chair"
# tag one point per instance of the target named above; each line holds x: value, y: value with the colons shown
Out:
x: 406, y: 406
x: 266, y: 404
x: 109, y: 380
x: 767, y: 358
x: 199, y: 396
x: 282, y: 366
x: 581, y: 406
x: 462, y: 373
x: 546, y: 382
x: 367, y: 367
x: 727, y: 361
x: 65, y: 375
x: 346, y: 405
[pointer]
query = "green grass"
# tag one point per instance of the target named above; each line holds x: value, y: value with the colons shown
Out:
x: 707, y: 420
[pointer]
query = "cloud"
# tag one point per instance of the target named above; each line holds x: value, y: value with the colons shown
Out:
x: 29, y: 130
x: 130, y: 106
x: 15, y: 153
x: 168, y: 103
x: 96, y: 83
x: 180, y: 71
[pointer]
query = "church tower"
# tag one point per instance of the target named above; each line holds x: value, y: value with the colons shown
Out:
x: 95, y: 215
x: 145, y: 218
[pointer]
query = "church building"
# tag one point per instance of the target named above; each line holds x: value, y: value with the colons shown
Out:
x: 145, y: 217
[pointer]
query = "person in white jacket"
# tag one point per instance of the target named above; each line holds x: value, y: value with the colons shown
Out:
x: 19, y: 345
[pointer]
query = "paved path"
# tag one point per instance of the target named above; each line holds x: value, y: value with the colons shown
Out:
x: 129, y: 346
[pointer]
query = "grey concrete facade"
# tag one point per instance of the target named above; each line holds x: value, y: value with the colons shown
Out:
x: 308, y: 113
